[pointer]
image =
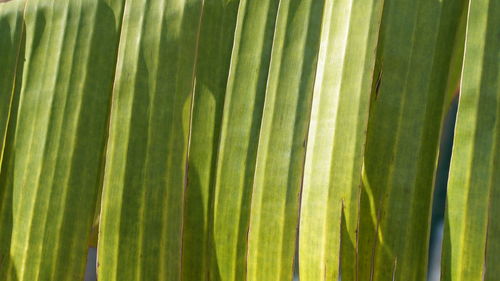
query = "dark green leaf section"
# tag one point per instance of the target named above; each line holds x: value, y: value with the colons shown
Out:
x: 414, y: 57
x: 243, y: 106
x: 472, y: 229
x: 55, y: 146
x: 11, y: 59
x: 457, y: 58
x: 214, y: 57
x: 282, y: 141
x: 332, y: 173
x: 142, y: 206
x: 11, y: 31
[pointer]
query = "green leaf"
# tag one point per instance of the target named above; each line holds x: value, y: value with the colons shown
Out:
x: 12, y: 41
x: 214, y: 57
x: 332, y: 174
x: 243, y: 106
x: 56, y: 142
x: 472, y: 229
x: 281, y: 145
x: 204, y: 120
x: 142, y: 206
x: 414, y: 57
x: 11, y: 31
x: 457, y: 57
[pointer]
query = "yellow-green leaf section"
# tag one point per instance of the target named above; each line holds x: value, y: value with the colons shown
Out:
x: 332, y: 173
x: 11, y: 50
x: 143, y: 198
x: 214, y: 57
x: 281, y: 145
x: 55, y: 146
x: 414, y: 58
x: 243, y: 106
x: 11, y: 34
x: 472, y: 230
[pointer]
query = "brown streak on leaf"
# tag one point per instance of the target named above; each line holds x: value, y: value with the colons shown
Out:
x: 377, y: 85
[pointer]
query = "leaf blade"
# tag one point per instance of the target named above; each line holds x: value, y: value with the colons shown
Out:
x: 281, y: 147
x: 56, y: 139
x: 333, y: 162
x: 417, y: 39
x: 142, y: 205
x: 216, y: 42
x: 471, y: 232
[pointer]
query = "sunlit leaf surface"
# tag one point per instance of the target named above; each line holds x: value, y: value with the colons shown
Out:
x: 53, y: 161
